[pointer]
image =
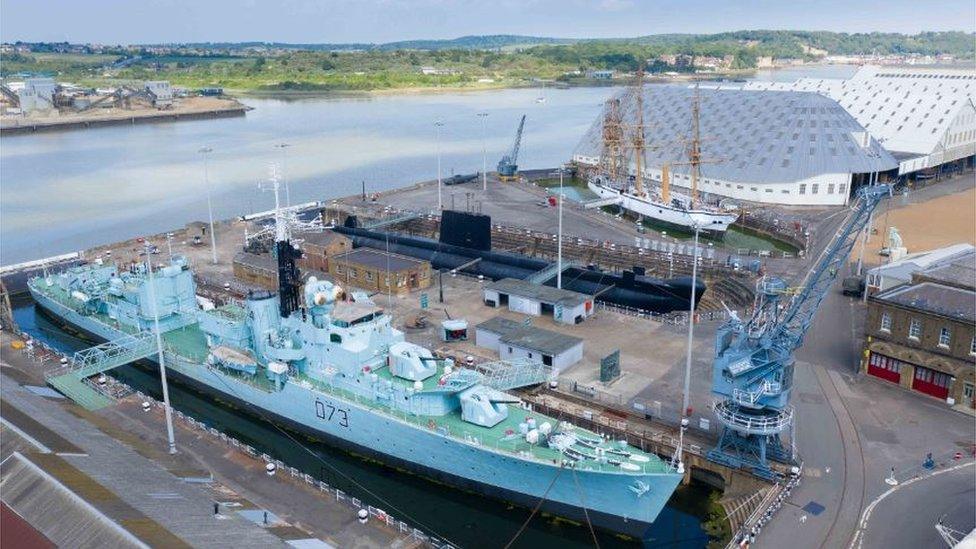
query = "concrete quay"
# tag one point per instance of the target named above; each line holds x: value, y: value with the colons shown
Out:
x: 121, y: 451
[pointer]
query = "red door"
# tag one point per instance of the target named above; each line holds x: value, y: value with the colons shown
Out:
x: 931, y: 382
x: 884, y: 367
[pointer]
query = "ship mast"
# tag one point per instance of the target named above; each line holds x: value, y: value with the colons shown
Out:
x: 612, y: 137
x: 638, y: 139
x: 694, y: 148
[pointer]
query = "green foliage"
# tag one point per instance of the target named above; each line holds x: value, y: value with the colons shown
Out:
x: 504, y: 58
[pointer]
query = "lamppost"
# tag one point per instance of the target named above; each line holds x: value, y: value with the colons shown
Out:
x: 559, y: 237
x: 284, y: 165
x: 205, y: 151
x: 686, y: 397
x: 159, y: 349
x: 440, y: 203
x: 484, y: 150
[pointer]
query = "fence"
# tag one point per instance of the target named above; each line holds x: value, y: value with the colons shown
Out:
x: 401, y: 527
x: 764, y: 512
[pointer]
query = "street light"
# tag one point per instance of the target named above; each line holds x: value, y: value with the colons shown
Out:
x: 284, y: 165
x: 205, y: 151
x: 159, y: 349
x: 484, y: 150
x: 559, y: 238
x: 437, y: 126
x: 686, y: 398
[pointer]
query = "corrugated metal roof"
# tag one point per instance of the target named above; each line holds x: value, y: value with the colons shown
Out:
x: 538, y: 292
x: 756, y: 136
x: 907, y: 109
x: 517, y: 334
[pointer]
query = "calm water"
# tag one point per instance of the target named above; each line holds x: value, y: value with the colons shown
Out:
x: 463, y: 518
x: 66, y: 191
x: 69, y: 190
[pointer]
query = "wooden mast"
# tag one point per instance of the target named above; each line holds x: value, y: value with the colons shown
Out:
x: 638, y: 137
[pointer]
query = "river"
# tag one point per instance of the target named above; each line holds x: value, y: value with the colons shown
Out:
x: 67, y: 191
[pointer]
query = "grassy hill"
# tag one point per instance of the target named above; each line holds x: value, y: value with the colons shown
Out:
x: 468, y: 61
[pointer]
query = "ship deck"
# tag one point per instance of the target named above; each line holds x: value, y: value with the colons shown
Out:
x: 188, y: 346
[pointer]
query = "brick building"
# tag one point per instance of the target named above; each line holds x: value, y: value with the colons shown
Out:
x: 922, y: 335
x: 373, y: 270
x: 317, y: 248
x: 256, y: 270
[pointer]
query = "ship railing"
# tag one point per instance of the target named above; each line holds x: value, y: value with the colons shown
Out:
x: 516, y: 446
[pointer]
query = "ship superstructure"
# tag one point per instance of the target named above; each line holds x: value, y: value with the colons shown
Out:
x: 342, y: 372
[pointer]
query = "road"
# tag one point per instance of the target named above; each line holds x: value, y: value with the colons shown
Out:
x: 907, y: 517
x: 851, y: 429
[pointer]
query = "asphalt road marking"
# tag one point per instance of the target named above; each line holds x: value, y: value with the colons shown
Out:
x: 858, y: 539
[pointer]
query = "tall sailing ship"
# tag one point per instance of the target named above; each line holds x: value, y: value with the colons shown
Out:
x: 614, y: 184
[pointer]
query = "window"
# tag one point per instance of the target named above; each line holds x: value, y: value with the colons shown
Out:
x: 815, y: 188
x: 885, y: 322
x: 945, y: 336
x: 803, y: 188
x: 353, y: 273
x: 972, y: 346
x: 843, y: 188
x: 830, y: 188
x: 335, y: 338
x: 338, y: 269
x: 369, y: 276
x: 914, y: 329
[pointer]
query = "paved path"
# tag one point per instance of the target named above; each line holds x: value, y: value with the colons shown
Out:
x: 184, y: 509
x: 906, y: 517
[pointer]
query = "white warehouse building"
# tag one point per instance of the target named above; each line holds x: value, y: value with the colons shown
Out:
x: 515, y: 340
x: 774, y: 147
x: 925, y: 117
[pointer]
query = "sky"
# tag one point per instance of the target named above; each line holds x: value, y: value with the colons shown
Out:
x: 377, y: 21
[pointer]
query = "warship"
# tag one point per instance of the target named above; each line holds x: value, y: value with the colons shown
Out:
x: 307, y: 358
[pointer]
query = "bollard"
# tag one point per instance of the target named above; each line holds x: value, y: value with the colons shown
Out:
x: 270, y: 469
x: 363, y: 516
x: 146, y: 406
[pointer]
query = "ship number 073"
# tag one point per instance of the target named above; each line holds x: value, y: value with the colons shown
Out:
x: 329, y: 412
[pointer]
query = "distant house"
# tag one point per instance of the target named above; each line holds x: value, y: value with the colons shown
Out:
x: 438, y: 72
x: 37, y: 95
x: 600, y: 75
x: 161, y: 92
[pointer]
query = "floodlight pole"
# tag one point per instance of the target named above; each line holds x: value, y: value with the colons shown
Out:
x: 159, y: 349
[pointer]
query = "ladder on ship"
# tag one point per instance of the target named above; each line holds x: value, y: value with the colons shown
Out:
x: 505, y: 375
x: 548, y: 273
x: 72, y: 379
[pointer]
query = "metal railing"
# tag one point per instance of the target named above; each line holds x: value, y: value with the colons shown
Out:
x: 728, y: 413
x: 749, y: 398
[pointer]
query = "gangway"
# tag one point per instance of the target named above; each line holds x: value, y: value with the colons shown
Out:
x: 546, y: 274
x: 505, y: 375
x: 95, y: 360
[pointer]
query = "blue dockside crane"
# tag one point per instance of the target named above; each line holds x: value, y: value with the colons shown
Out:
x: 508, y: 165
x: 752, y: 373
